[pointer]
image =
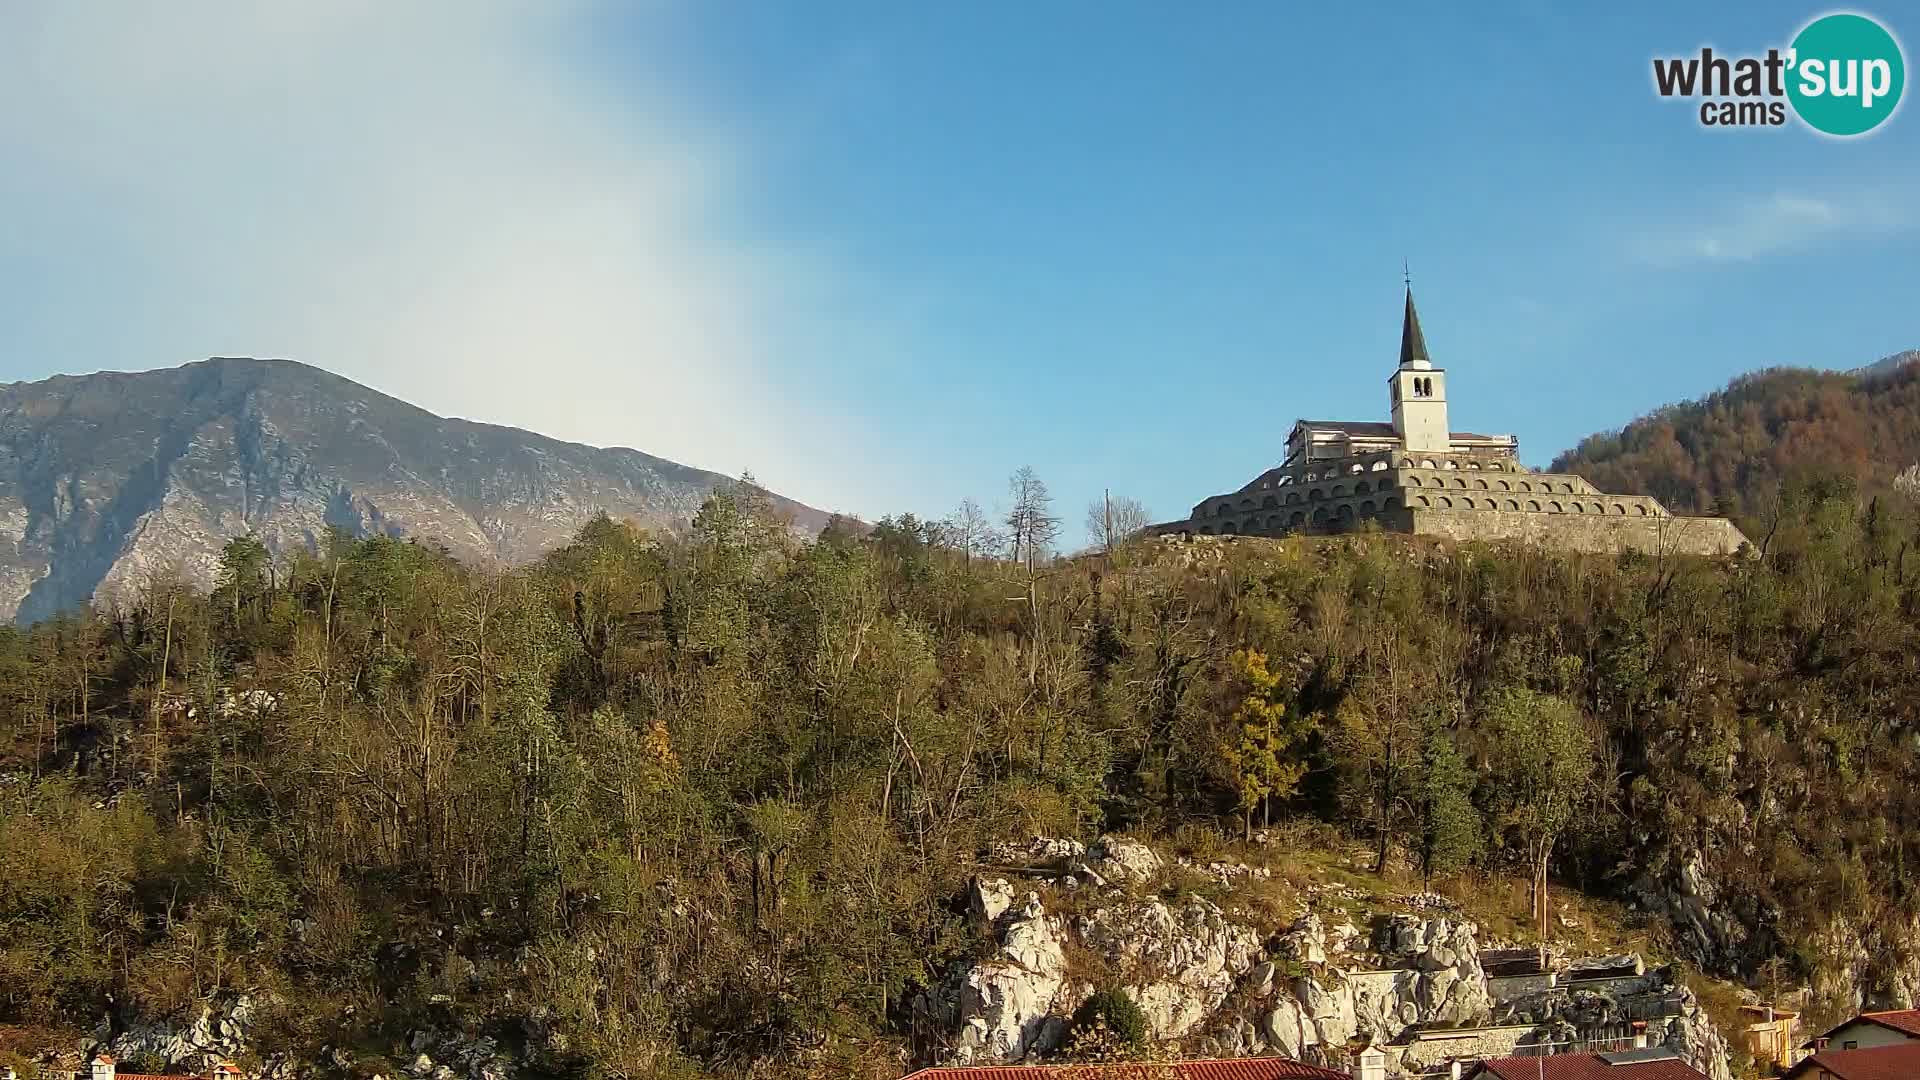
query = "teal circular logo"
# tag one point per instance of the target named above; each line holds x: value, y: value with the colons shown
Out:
x: 1846, y: 74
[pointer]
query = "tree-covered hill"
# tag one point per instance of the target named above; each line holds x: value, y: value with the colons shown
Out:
x: 1734, y: 448
x: 705, y: 805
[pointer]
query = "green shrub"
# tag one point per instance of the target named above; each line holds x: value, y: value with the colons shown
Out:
x: 1112, y: 1008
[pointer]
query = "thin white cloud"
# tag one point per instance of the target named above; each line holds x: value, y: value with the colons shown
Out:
x: 1756, y: 228
x: 430, y: 197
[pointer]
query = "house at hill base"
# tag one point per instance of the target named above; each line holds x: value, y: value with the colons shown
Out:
x: 1772, y: 1035
x: 1870, y: 1029
x: 1271, y: 1068
x: 1871, y: 1046
x: 103, y: 1067
x: 1415, y: 474
x: 1890, y: 1061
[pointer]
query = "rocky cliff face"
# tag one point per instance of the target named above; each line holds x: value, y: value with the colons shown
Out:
x: 1887, y: 365
x: 108, y: 478
x: 1208, y: 977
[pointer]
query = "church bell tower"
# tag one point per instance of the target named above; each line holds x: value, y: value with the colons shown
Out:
x: 1419, y: 391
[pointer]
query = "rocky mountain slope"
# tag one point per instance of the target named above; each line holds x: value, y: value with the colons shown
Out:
x: 107, y: 478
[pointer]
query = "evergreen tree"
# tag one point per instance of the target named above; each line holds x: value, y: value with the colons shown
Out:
x: 1451, y: 832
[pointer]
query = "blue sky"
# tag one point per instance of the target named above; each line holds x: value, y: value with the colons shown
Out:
x: 883, y: 254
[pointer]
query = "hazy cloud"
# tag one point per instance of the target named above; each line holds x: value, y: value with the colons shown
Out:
x: 430, y: 197
x: 1755, y: 228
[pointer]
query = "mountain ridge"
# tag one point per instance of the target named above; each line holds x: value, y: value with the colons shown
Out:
x: 111, y: 477
x: 1734, y: 448
x: 1887, y: 365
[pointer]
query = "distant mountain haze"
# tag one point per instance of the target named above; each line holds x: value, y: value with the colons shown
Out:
x: 108, y: 478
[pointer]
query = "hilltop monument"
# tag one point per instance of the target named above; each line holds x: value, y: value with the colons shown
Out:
x: 1415, y: 474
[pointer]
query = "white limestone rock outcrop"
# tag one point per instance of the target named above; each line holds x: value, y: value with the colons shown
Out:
x: 1693, y: 1037
x: 1425, y: 971
x: 1306, y: 940
x: 448, y: 1055
x: 1038, y: 851
x: 1287, y: 1029
x: 1451, y: 986
x: 1327, y: 1011
x: 988, y: 899
x: 1178, y: 963
x: 1211, y: 981
x: 219, y: 1029
x: 1124, y: 861
x: 1193, y: 970
x: 1008, y: 1006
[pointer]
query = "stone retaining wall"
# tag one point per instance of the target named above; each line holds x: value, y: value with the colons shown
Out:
x: 1431, y: 1048
x: 1663, y: 535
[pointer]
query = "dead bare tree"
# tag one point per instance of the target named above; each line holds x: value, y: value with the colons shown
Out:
x: 970, y: 531
x: 1031, y: 525
x: 1115, y: 519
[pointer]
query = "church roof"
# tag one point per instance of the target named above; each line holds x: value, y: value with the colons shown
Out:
x: 1379, y: 429
x: 1373, y: 428
x: 1413, y: 344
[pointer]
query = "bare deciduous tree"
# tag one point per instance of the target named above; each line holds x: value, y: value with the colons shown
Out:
x: 1114, y: 520
x: 969, y: 530
x: 1031, y: 525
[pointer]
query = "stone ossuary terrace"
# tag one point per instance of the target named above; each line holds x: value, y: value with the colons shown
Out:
x: 1417, y: 475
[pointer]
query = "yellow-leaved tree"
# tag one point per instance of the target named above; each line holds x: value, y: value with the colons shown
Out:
x: 1265, y: 750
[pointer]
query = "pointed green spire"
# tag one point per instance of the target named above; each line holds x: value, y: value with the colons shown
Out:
x: 1413, y: 345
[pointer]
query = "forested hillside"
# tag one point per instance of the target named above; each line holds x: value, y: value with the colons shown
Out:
x: 1732, y: 449
x: 706, y: 806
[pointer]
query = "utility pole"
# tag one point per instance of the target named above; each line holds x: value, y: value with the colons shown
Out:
x: 1540, y: 895
x: 1543, y: 916
x: 1106, y: 534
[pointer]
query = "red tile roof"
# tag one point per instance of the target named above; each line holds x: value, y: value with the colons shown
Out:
x: 1907, y: 1020
x: 1237, y: 1069
x: 1900, y: 1061
x: 1904, y: 1021
x: 1586, y: 1067
x: 104, y: 1058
